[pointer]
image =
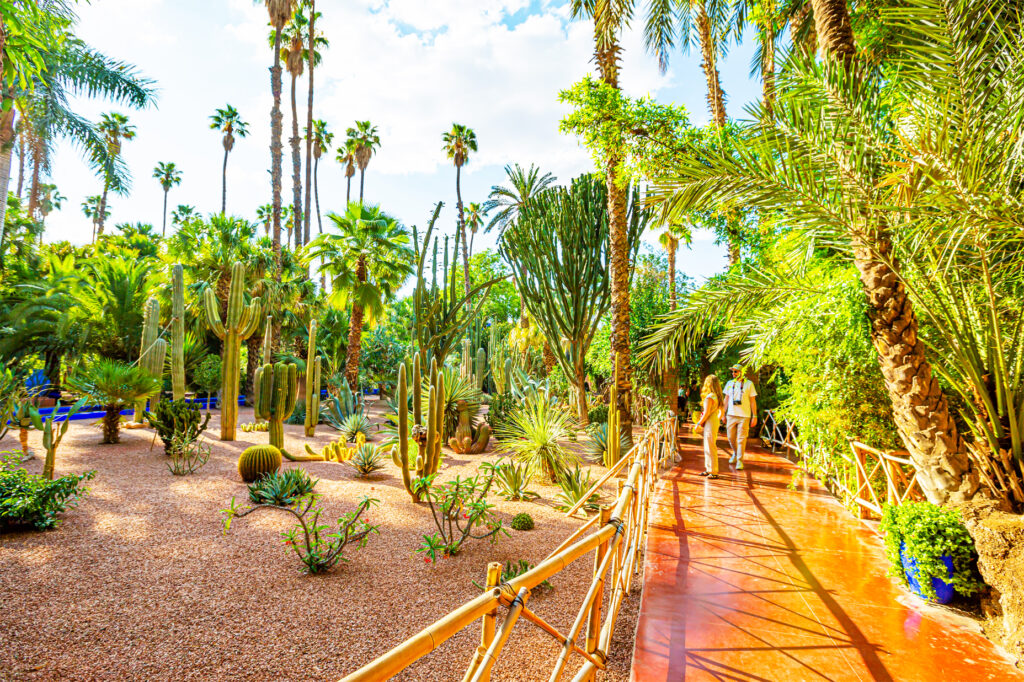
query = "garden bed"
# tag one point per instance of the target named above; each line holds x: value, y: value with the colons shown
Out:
x: 141, y: 583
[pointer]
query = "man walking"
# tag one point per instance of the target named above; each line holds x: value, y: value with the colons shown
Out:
x: 741, y: 413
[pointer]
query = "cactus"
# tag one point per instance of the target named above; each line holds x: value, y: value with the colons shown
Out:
x: 22, y: 417
x: 428, y: 440
x: 242, y: 321
x: 264, y: 360
x: 53, y: 432
x: 277, y: 398
x: 177, y: 333
x: 338, y: 451
x: 252, y: 427
x: 481, y: 368
x: 312, y: 383
x: 417, y: 391
x: 257, y: 461
x: 148, y: 348
x: 469, y: 439
x: 177, y: 419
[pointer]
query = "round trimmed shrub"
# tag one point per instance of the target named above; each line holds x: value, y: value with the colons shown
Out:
x: 522, y: 521
x: 257, y: 461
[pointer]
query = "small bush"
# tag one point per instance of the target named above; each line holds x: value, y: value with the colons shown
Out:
x: 512, y: 480
x: 177, y: 420
x: 598, y: 414
x: 281, y: 488
x: 458, y: 508
x: 30, y: 500
x: 522, y: 521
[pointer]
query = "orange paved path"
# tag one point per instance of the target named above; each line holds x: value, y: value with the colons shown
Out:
x: 748, y: 580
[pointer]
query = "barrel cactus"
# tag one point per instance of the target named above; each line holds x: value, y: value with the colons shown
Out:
x: 257, y: 461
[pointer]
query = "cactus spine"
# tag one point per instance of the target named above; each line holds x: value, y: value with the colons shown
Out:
x: 242, y: 321
x: 312, y: 383
x: 178, y: 332
x: 428, y: 440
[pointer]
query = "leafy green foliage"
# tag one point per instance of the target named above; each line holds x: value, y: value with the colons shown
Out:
x: 354, y: 425
x: 512, y: 480
x: 574, y: 484
x: 534, y: 436
x: 281, y: 487
x: 30, y: 500
x: 927, y: 533
x: 367, y: 460
x: 458, y: 508
x: 598, y: 414
x: 522, y: 521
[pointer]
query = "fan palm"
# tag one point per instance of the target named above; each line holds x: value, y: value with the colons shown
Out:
x: 506, y: 200
x: 321, y: 140
x: 114, y: 385
x: 314, y: 39
x: 368, y: 260
x: 50, y: 201
x: 365, y: 142
x: 229, y: 123
x: 347, y: 157
x: 114, y: 127
x: 91, y: 209
x: 183, y: 214
x: 169, y: 176
x: 475, y: 216
x: 459, y: 142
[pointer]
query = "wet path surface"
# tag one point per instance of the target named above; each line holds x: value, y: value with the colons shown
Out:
x: 747, y: 579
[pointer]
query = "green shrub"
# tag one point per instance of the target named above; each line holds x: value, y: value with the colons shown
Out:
x: 534, y: 436
x: 281, y: 487
x: 928, y: 533
x: 30, y: 500
x: 512, y: 480
x: 522, y: 521
x: 177, y: 419
x: 458, y: 508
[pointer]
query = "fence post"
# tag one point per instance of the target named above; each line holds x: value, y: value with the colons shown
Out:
x: 493, y: 579
x: 891, y: 494
x: 594, y: 621
x: 860, y: 464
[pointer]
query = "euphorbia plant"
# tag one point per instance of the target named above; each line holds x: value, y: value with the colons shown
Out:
x: 459, y: 508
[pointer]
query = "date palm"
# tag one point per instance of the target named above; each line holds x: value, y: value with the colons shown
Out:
x: 50, y: 201
x: 321, y: 139
x: 365, y: 142
x: 115, y: 128
x: 347, y: 157
x: 91, y: 209
x: 459, y: 143
x: 294, y: 57
x: 506, y: 200
x: 115, y: 385
x: 230, y: 124
x: 368, y: 259
x: 169, y: 176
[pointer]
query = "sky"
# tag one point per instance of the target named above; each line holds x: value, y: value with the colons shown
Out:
x: 412, y: 67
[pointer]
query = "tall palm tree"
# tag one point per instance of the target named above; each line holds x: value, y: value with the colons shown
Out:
x: 294, y: 59
x: 51, y: 201
x: 669, y: 239
x: 169, y: 176
x: 459, y: 142
x: 508, y: 199
x: 314, y: 39
x: 114, y: 127
x: 91, y: 209
x: 475, y: 216
x: 183, y: 213
x: 347, y: 157
x: 365, y: 143
x: 368, y: 260
x: 766, y: 16
x: 321, y: 140
x: 229, y: 122
x: 280, y: 12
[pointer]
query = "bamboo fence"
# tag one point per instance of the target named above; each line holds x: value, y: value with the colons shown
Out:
x: 617, y: 537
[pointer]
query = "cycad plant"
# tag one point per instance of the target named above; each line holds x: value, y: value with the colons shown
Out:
x: 114, y: 385
x: 534, y: 435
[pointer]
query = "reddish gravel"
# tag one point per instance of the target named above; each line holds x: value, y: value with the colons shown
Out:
x: 140, y: 583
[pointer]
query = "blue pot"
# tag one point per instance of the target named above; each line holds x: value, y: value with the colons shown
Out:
x: 944, y: 592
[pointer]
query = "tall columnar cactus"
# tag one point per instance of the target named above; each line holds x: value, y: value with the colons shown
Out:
x: 480, y: 371
x: 428, y: 440
x: 150, y: 334
x: 417, y: 391
x: 265, y: 359
x: 312, y: 383
x: 467, y: 360
x: 277, y: 398
x: 178, y: 332
x: 242, y: 321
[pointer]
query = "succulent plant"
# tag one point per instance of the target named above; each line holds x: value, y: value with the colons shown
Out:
x: 281, y: 488
x: 153, y: 350
x: 366, y: 460
x: 177, y: 332
x: 251, y: 427
x: 468, y: 438
x: 312, y: 416
x: 177, y: 418
x: 278, y: 386
x: 354, y: 425
x: 338, y: 451
x: 522, y: 521
x: 257, y: 461
x: 426, y: 459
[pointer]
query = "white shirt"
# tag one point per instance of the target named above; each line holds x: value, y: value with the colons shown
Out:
x: 739, y: 390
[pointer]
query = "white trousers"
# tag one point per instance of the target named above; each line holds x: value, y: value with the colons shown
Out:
x: 736, y: 429
x: 711, y: 445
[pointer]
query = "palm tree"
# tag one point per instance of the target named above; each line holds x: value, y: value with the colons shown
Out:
x: 91, y: 208
x: 229, y: 122
x: 169, y: 176
x: 365, y: 141
x: 347, y: 157
x: 670, y: 240
x: 114, y: 127
x: 51, y: 200
x: 115, y: 384
x: 321, y: 140
x: 475, y: 215
x: 314, y: 39
x: 765, y: 16
x: 508, y: 199
x: 368, y: 261
x: 280, y: 12
x: 183, y: 214
x: 294, y: 56
x: 458, y: 143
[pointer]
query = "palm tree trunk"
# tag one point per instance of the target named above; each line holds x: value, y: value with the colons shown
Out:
x: 309, y: 120
x: 163, y: 231
x: 21, y: 161
x: 6, y: 151
x: 316, y: 193
x: 348, y: 191
x: 709, y: 52
x: 768, y: 60
x: 296, y: 171
x: 224, y: 185
x: 276, y: 149
x: 810, y: 42
x: 34, y: 188
x: 112, y: 424
x: 355, y: 331
x: 462, y: 226
x: 362, y: 177
x: 832, y: 25
x: 101, y: 216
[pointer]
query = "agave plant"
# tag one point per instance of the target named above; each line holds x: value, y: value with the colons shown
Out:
x: 366, y: 460
x: 597, y: 446
x: 281, y: 487
x: 354, y: 425
x: 336, y: 409
x: 534, y: 434
x: 512, y: 480
x: 575, y: 483
x: 114, y: 385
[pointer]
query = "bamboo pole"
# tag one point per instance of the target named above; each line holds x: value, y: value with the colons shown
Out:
x: 494, y: 650
x: 492, y: 580
x: 533, y: 618
x: 576, y: 533
x: 594, y: 619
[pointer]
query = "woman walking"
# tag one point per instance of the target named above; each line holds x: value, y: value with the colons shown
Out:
x: 711, y: 393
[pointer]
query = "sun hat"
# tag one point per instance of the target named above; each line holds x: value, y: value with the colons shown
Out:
x: 735, y: 368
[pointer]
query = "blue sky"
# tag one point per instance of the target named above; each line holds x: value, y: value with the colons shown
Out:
x: 411, y: 66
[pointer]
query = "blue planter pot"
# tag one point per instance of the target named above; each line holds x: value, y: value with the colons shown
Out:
x: 944, y: 592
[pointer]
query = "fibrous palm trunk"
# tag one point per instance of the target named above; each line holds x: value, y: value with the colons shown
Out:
x: 355, y: 332
x: 112, y: 423
x: 163, y: 231
x: 22, y: 151
x: 362, y: 177
x: 276, y: 148
x: 316, y: 194
x: 309, y: 123
x: 348, y: 190
x: 101, y: 213
x: 34, y: 187
x: 224, y: 184
x: 833, y: 29
x: 708, y: 51
x: 767, y: 32
x: 296, y: 170
x: 462, y: 226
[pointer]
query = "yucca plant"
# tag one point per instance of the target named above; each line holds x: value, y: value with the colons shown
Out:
x: 354, y: 425
x: 511, y: 480
x: 597, y: 444
x: 367, y: 460
x: 533, y: 436
x: 114, y: 385
x: 281, y: 488
x: 574, y: 484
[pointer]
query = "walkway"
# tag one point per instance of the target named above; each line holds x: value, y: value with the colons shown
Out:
x: 746, y: 579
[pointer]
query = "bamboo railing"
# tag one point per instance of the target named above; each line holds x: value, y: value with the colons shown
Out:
x: 616, y: 537
x: 873, y: 477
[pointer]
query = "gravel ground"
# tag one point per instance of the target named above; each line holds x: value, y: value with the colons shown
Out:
x: 140, y: 583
